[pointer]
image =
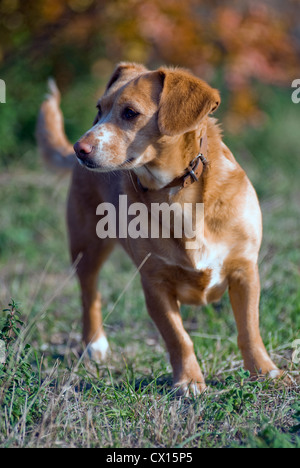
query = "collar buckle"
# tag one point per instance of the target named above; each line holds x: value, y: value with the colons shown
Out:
x: 193, y: 170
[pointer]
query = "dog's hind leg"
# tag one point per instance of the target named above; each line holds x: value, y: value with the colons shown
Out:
x: 244, y: 292
x: 89, y: 253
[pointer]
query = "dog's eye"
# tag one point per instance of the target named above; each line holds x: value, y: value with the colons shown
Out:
x: 98, y: 116
x: 99, y: 110
x: 129, y: 113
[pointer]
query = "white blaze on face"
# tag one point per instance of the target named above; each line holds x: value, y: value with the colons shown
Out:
x: 103, y: 138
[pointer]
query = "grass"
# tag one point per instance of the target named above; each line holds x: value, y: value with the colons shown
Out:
x: 52, y: 397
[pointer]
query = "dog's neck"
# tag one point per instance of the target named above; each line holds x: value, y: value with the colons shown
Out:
x: 177, y: 171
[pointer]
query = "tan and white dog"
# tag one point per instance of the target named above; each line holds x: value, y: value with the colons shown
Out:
x: 153, y: 140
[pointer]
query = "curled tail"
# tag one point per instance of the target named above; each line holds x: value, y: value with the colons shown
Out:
x: 53, y: 144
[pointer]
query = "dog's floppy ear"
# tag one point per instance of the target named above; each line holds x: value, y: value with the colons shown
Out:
x: 124, y: 69
x: 185, y: 100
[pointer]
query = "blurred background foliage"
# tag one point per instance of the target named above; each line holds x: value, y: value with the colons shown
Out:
x: 247, y: 48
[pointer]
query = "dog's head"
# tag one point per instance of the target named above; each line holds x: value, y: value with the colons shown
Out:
x: 142, y: 112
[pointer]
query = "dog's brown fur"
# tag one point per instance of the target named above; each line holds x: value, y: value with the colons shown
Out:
x: 153, y: 148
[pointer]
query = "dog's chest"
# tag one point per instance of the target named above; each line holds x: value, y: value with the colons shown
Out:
x: 200, y: 277
x: 211, y: 257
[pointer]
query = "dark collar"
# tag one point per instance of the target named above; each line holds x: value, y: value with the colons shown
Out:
x: 191, y: 174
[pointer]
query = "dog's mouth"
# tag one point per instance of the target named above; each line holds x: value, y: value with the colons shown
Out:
x: 93, y: 166
x: 89, y: 164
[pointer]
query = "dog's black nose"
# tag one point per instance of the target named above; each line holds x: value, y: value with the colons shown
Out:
x: 82, y: 149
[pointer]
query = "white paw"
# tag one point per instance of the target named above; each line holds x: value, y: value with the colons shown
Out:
x: 274, y: 373
x: 98, y: 350
x: 194, y: 388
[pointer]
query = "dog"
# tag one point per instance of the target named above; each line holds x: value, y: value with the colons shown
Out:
x: 155, y: 141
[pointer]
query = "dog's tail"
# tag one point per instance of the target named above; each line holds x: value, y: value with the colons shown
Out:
x: 53, y: 144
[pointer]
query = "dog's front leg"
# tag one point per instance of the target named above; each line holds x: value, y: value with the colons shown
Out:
x: 164, y: 310
x: 244, y: 292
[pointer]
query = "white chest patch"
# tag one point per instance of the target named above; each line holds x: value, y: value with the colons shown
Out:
x: 212, y: 257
